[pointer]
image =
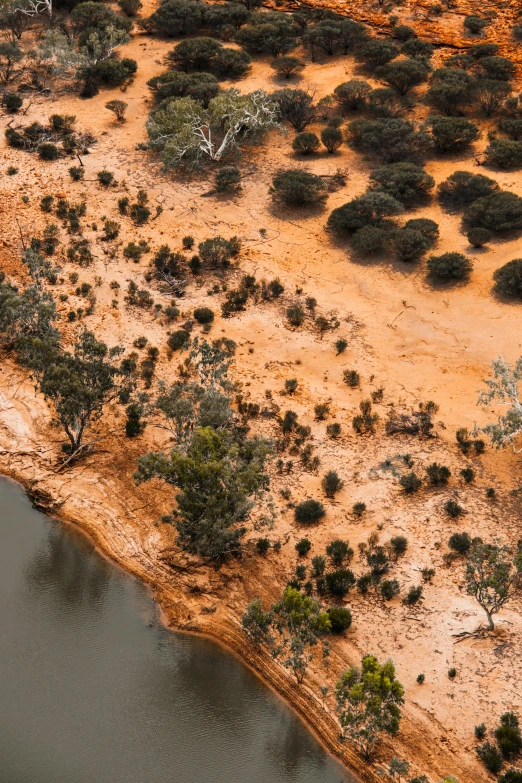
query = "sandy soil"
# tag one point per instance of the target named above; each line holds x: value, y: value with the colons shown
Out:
x: 416, y: 341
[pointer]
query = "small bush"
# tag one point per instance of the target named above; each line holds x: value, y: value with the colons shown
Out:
x: 413, y: 596
x: 318, y: 565
x: 468, y: 474
x: 449, y: 266
x: 130, y: 7
x: 228, y: 179
x: 480, y: 731
x: 358, y: 509
x: 409, y: 245
x: 452, y: 673
x: 263, y: 545
x: 352, y: 378
x: 437, y: 474
x: 508, y: 279
x: 478, y: 237
x: 332, y: 138
x: 421, y: 678
x: 504, y: 154
x: 76, y: 173
x: 462, y: 188
x: 309, y: 511
x: 305, y: 143
x: 370, y: 209
x: 410, y: 483
x: 12, y: 102
x: 295, y: 315
x: 203, y: 315
x: 118, y: 108
x: 340, y: 582
x: 452, y: 133
x: 178, y: 339
x: 287, y: 66
x: 398, y: 546
x: 460, y: 542
x: 333, y: 430
x: 111, y: 229
x: 105, y: 178
x: 340, y: 345
x: 453, y: 509
x: 389, y: 589
x: 368, y: 240
x: 298, y: 188
x: 339, y: 551
x: 340, y: 619
x: 352, y: 95
x: 48, y: 151
x: 490, y: 756
x: 511, y: 775
x: 428, y: 228
x: 303, y: 547
x: 331, y: 484
x: 475, y: 24
x: 508, y: 735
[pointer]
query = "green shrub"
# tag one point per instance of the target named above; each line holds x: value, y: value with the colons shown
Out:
x: 504, y: 154
x: 318, y: 565
x: 352, y: 378
x: 105, y: 178
x: 410, y: 482
x: 389, y: 589
x: 227, y: 179
x: 452, y: 133
x: 263, y: 545
x: 478, y: 237
x: 339, y: 551
x: 428, y: 228
x: 511, y: 775
x: 453, y: 509
x: 295, y: 187
x: 491, y: 757
x: 309, y: 511
x: 391, y: 138
x: 405, y: 182
x: 178, y: 339
x: 449, y: 266
x: 463, y: 188
x: 468, y: 474
x: 287, y: 66
x: 358, y: 509
x: 340, y: 619
x: 48, y: 151
x: 370, y: 209
x: 475, y: 24
x: 305, y: 143
x: 369, y: 240
x: 498, y: 212
x: 452, y: 673
x: 12, y: 102
x: 507, y: 735
x: 480, y: 731
x: 332, y: 138
x: 340, y: 582
x: 303, y: 546
x: 403, y: 74
x: 409, y: 245
x: 398, y: 546
x: 204, y: 315
x: 364, y: 583
x: 437, y: 474
x: 352, y: 95
x: 413, y: 596
x: 295, y: 315
x: 76, y: 173
x: 130, y: 7
x: 375, y: 52
x: 508, y: 279
x: 331, y: 484
x: 460, y: 542
x: 341, y: 345
x: 420, y: 680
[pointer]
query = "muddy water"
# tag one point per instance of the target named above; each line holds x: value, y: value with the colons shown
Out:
x: 94, y: 690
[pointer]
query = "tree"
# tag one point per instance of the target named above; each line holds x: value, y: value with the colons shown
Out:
x: 508, y: 279
x: 375, y: 52
x: 490, y: 94
x: 452, y: 133
x: 500, y: 211
x: 462, y: 188
x: 340, y: 619
x: 504, y: 154
x: 195, y: 53
x: 273, y: 39
x: 309, y: 511
x: 186, y: 132
x: 418, y: 48
x: 398, y: 767
x: 81, y: 384
x: 391, y: 138
x: 368, y: 703
x: 352, y: 95
x: 449, y: 266
x: 503, y: 389
x: 300, y: 624
x: 296, y: 107
x: 332, y: 139
x: 370, y: 209
x: 287, y: 66
x: 305, y: 143
x: 497, y: 68
x: 119, y: 108
x: 298, y: 188
x: 403, y: 74
x: 174, y: 18
x: 405, y: 182
x: 10, y: 56
x: 451, y: 89
x: 492, y: 577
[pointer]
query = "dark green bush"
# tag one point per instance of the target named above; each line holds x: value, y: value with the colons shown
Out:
x: 305, y: 143
x: 203, y: 315
x: 340, y: 582
x: 178, y: 339
x: 405, y: 182
x: 478, y: 237
x: 298, y: 188
x: 508, y: 279
x: 475, y: 24
x: 309, y: 511
x: 491, y: 757
x: 391, y: 138
x: 370, y: 209
x: 340, y: 618
x: 449, y: 266
x: 498, y: 212
x: 509, y: 739
x: 410, y: 482
x: 452, y: 133
x: 413, y: 596
x: 480, y: 731
x: 303, y: 547
x: 296, y: 107
x: 453, y: 509
x: 331, y: 484
x: 511, y: 775
x: 460, y: 542
x: 105, y: 178
x: 12, y: 102
x: 398, y: 545
x: 318, y: 565
x: 332, y: 138
x: 409, y: 245
x: 375, y: 52
x: 228, y: 178
x: 352, y: 95
x: 504, y: 154
x: 295, y: 315
x: 428, y: 228
x: 389, y: 589
x: 263, y: 545
x: 287, y: 66
x: 462, y: 188
x: 403, y: 74
x: 48, y: 151
x: 437, y: 474
x: 451, y: 89
x: 339, y: 551
x: 368, y: 240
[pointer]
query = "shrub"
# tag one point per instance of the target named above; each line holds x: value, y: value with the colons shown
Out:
x: 512, y: 126
x: 105, y: 178
x: 420, y: 680
x: 413, y: 596
x: 295, y: 315
x: 203, y: 315
x: 332, y: 138
x: 478, y: 237
x: 130, y: 7
x: 368, y: 240
x: 303, y: 547
x: 496, y: 68
x: 409, y: 245
x: 309, y: 511
x: 114, y: 72
x: 331, y: 484
x: 398, y: 546
x: 76, y: 173
x: 508, y: 279
x: 227, y: 179
x: 453, y: 509
x: 340, y: 582
x: 267, y: 38
x: 405, y: 182
x: 263, y: 545
x: 364, y: 582
x: 403, y: 74
x: 318, y: 565
x: 389, y: 589
x: 287, y: 66
x: 451, y: 89
x: 511, y: 776
x: 452, y: 673
x: 340, y: 619
x: 475, y: 24
x: 504, y: 154
x: 460, y: 542
x: 490, y: 94
x: 339, y: 551
x: 391, y: 138
x: 118, y: 108
x: 468, y: 474
x: 449, y: 266
x: 452, y: 133
x: 218, y: 252
x: 174, y: 18
x: 437, y: 474
x: 428, y: 228
x: 352, y: 95
x: 111, y: 229
x: 12, y: 102
x: 416, y: 47
x: 358, y: 509
x: 370, y: 209
x: 178, y: 339
x: 305, y: 143
x: 498, y: 212
x: 462, y: 188
x: 298, y: 188
x: 296, y: 107
x: 491, y: 757
x: 333, y: 430
x: 48, y: 151
x: 375, y: 52
x: 508, y: 735
x: 352, y: 378
x: 410, y: 482
x: 480, y: 731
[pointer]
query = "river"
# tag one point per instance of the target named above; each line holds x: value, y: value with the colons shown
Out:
x: 93, y: 689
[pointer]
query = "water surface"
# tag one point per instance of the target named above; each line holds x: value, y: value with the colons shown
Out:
x: 94, y: 690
